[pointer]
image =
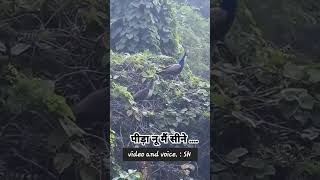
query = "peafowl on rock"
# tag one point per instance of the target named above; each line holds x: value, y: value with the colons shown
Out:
x: 222, y: 20
x: 175, y: 69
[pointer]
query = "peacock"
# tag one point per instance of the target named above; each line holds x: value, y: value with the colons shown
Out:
x: 175, y: 69
x: 93, y: 109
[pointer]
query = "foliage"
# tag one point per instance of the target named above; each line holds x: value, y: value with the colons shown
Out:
x: 193, y: 31
x: 265, y: 95
x: 164, y: 28
x: 47, y: 48
x: 137, y: 26
x: 38, y: 95
x: 130, y: 175
x: 174, y: 106
x: 199, y: 6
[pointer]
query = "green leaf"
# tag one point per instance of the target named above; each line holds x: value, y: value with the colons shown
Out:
x: 234, y: 155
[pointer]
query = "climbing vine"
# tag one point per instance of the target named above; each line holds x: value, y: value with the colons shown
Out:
x: 143, y: 25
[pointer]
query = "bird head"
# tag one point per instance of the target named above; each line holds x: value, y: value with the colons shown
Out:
x: 184, y: 58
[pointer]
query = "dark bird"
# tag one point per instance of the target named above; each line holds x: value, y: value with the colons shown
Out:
x: 92, y: 111
x: 223, y: 18
x: 92, y: 115
x: 175, y: 69
x: 145, y: 93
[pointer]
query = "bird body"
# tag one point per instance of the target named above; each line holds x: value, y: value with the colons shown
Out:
x: 145, y: 93
x: 92, y: 109
x: 223, y: 18
x: 175, y: 69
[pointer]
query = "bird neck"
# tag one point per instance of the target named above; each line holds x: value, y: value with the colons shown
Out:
x: 151, y: 86
x: 182, y: 61
x: 230, y: 6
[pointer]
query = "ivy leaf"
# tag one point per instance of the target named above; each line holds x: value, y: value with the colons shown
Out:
x: 253, y: 163
x: 234, y: 155
x: 239, y: 152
